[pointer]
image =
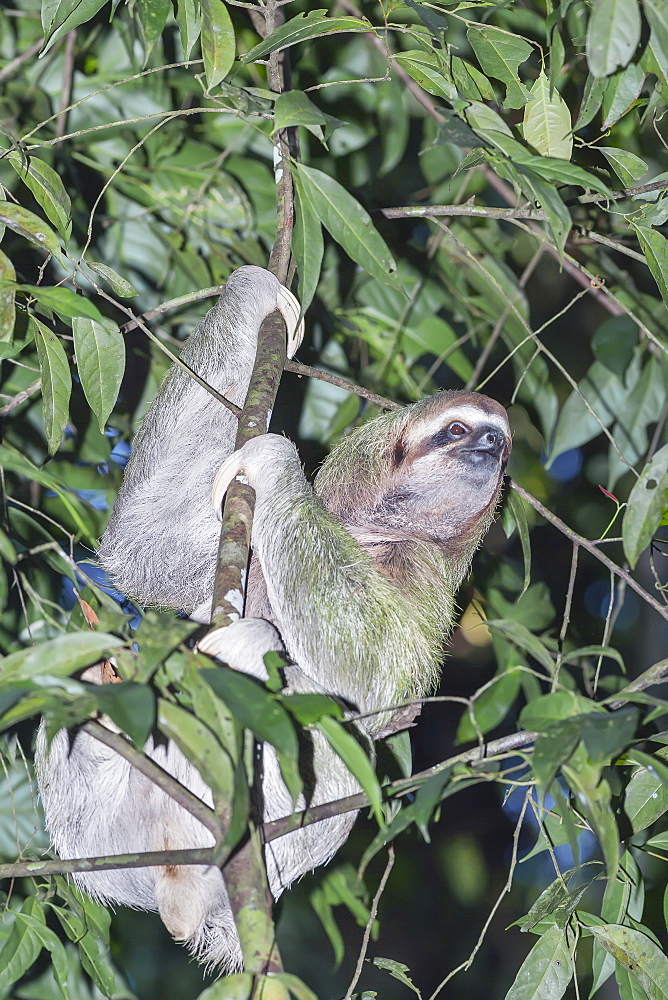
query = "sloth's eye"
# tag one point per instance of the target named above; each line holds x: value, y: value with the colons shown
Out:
x: 457, y: 430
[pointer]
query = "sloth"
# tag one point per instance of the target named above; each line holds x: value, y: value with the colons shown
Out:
x: 354, y: 578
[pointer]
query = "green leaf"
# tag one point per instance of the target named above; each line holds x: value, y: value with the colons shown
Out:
x: 500, y: 54
x: 63, y: 301
x: 218, y: 42
x: 261, y: 712
x: 515, y: 517
x: 427, y: 70
x: 646, y: 795
x: 356, y: 760
x: 348, y: 222
x: 238, y: 986
x: 294, y: 107
x: 646, y: 501
x: 56, y: 382
x: 47, y: 188
x: 521, y: 636
x: 92, y: 948
x: 49, y: 940
x: 613, y: 34
x: 599, y: 398
x: 491, y: 707
x: 470, y: 82
x: 131, y: 706
x: 30, y: 226
x: 309, y: 708
x: 22, y: 945
x: 398, y: 971
x: 152, y: 15
x: 592, y: 99
x: 7, y: 298
x: 200, y: 746
x: 623, y: 897
x: 66, y: 14
x: 540, y: 713
x: 14, y: 461
x: 307, y: 246
x: 656, y: 13
x: 547, y: 121
x: 189, y: 20
x: 100, y: 353
x: 546, y: 971
x: 629, y: 988
x: 593, y: 796
x: 638, y: 955
x: 655, y: 248
x: 59, y: 657
x: 552, y: 749
x: 546, y: 197
x: 253, y: 707
x: 628, y: 167
x: 621, y: 93
x: 121, y: 286
x: 304, y: 27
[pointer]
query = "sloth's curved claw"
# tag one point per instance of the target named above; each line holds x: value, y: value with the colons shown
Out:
x: 290, y: 310
x: 231, y: 468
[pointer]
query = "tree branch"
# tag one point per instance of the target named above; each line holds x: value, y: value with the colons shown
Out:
x: 163, y: 779
x: 591, y: 548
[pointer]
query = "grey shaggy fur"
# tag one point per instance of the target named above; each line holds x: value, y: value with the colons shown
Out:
x: 355, y: 579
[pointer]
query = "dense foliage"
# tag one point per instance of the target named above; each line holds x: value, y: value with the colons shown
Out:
x: 480, y: 201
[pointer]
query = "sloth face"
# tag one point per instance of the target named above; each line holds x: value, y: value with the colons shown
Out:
x: 433, y: 469
x: 448, y: 462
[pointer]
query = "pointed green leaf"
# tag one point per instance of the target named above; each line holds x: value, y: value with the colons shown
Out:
x: 656, y: 12
x: 546, y: 971
x: 47, y: 188
x: 356, y: 760
x: 304, y: 27
x: 30, y: 226
x: 636, y: 953
x: 152, y: 15
x: 500, y: 54
x: 307, y: 247
x: 66, y: 14
x: 56, y: 382
x: 547, y: 121
x: 14, y: 461
x: 348, y: 222
x: 63, y: 301
x: 121, y: 286
x: 7, y: 298
x: 592, y: 99
x: 655, y: 248
x: 613, y: 34
x: 628, y: 167
x: 296, y: 108
x: 189, y: 20
x: 22, y: 945
x: 131, y: 706
x: 100, y: 354
x: 427, y: 70
x: 621, y: 93
x: 646, y: 502
x: 60, y: 657
x: 200, y: 746
x: 218, y: 42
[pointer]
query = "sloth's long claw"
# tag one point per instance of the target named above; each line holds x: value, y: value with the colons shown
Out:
x: 290, y: 310
x: 231, y: 469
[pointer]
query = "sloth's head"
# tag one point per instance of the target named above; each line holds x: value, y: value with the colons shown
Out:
x: 433, y: 469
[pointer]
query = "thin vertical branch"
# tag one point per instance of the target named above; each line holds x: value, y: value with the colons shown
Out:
x: 245, y: 873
